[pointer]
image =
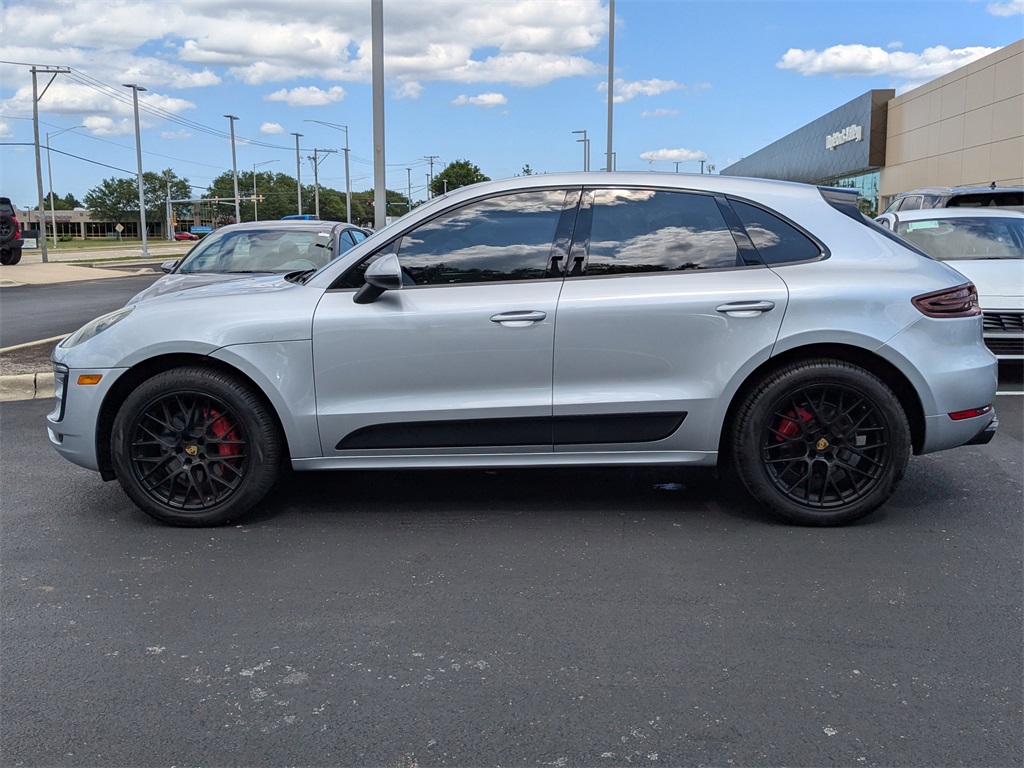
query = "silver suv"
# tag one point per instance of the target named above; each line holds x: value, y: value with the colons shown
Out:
x: 577, y: 319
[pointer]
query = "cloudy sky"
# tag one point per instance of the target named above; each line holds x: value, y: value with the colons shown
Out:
x: 502, y: 83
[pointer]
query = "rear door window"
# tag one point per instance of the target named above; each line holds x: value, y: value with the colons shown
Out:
x: 649, y: 230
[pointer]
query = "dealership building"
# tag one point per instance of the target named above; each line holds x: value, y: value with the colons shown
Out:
x: 962, y: 129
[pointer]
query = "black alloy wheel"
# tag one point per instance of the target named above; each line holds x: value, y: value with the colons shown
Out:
x: 823, y: 443
x: 195, y: 447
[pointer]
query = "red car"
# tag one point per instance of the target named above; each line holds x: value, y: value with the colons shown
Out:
x: 185, y: 236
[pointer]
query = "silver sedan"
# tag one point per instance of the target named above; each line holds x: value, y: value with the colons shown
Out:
x: 577, y: 319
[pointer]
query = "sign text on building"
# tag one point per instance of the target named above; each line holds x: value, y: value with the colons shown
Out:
x: 850, y: 133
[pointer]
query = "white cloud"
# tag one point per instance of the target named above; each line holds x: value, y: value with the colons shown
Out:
x: 862, y: 60
x: 659, y: 113
x: 105, y: 126
x: 272, y: 128
x: 1007, y: 8
x: 307, y: 96
x: 627, y: 91
x: 482, y: 100
x: 673, y: 155
x: 179, y: 134
x: 6, y: 132
x: 409, y: 90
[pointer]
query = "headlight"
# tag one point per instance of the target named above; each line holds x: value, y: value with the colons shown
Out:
x: 96, y: 327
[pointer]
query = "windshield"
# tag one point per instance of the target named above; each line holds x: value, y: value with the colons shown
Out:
x: 966, y: 238
x: 269, y: 250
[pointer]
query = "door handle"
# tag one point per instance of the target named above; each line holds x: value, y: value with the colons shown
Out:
x: 518, y: 318
x: 745, y: 308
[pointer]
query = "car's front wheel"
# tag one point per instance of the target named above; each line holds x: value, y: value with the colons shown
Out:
x: 193, y: 446
x: 821, y: 442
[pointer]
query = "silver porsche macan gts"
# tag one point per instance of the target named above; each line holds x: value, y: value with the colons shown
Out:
x: 551, y: 320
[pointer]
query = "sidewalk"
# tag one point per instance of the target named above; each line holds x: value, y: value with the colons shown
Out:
x: 25, y: 368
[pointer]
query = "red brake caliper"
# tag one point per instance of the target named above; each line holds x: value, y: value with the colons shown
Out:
x: 789, y: 426
x: 221, y: 428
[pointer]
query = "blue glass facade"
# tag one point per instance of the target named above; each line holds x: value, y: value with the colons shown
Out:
x: 844, y: 148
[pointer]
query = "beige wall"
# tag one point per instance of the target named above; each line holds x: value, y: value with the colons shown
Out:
x: 964, y: 128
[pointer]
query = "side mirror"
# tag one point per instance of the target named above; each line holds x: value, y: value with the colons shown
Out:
x: 168, y: 266
x: 385, y: 274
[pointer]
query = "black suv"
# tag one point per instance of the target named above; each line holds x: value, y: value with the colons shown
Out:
x: 10, y: 234
x: 957, y: 197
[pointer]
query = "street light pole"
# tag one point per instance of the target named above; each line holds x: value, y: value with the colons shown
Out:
x: 610, y: 159
x: 49, y: 174
x: 138, y: 153
x: 255, y: 209
x: 234, y: 167
x: 348, y: 179
x: 586, y: 149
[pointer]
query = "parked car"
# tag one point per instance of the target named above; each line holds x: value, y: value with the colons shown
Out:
x: 551, y: 320
x: 185, y: 236
x: 986, y: 245
x: 957, y: 197
x: 260, y: 247
x: 10, y: 234
x: 301, y: 217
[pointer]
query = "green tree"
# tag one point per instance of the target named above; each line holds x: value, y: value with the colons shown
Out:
x: 363, y: 213
x: 458, y: 174
x: 114, y: 200
x: 66, y: 203
x: 277, y: 196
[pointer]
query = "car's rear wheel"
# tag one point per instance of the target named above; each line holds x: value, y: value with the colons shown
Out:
x: 10, y: 256
x: 821, y: 442
x: 194, y: 447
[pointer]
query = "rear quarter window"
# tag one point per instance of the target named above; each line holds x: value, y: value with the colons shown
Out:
x: 777, y: 241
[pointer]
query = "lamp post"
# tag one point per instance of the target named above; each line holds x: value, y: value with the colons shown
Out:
x: 49, y: 174
x: 348, y: 181
x: 298, y: 170
x: 610, y: 155
x: 138, y: 153
x: 255, y: 209
x: 586, y: 149
x: 234, y: 166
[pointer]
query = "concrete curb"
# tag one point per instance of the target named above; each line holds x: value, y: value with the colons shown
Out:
x: 26, y: 386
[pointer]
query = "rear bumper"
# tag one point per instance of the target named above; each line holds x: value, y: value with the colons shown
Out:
x: 987, y: 433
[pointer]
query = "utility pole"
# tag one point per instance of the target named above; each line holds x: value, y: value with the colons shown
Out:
x: 138, y: 153
x: 430, y: 177
x: 408, y: 186
x: 234, y: 167
x: 348, y: 178
x: 316, y: 175
x: 36, y: 96
x: 255, y: 207
x: 298, y: 170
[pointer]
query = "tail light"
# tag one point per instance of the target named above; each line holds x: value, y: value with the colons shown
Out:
x: 961, y: 301
x: 17, y: 228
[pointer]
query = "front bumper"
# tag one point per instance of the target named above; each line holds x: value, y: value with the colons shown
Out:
x: 72, y: 425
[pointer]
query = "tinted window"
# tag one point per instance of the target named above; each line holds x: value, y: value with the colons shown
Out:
x: 258, y: 251
x: 645, y: 230
x: 911, y: 203
x: 984, y: 199
x: 776, y: 241
x: 966, y: 238
x: 501, y: 238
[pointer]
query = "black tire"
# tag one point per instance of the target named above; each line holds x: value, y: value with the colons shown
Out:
x: 8, y: 228
x: 10, y: 256
x: 195, y: 447
x: 821, y: 443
